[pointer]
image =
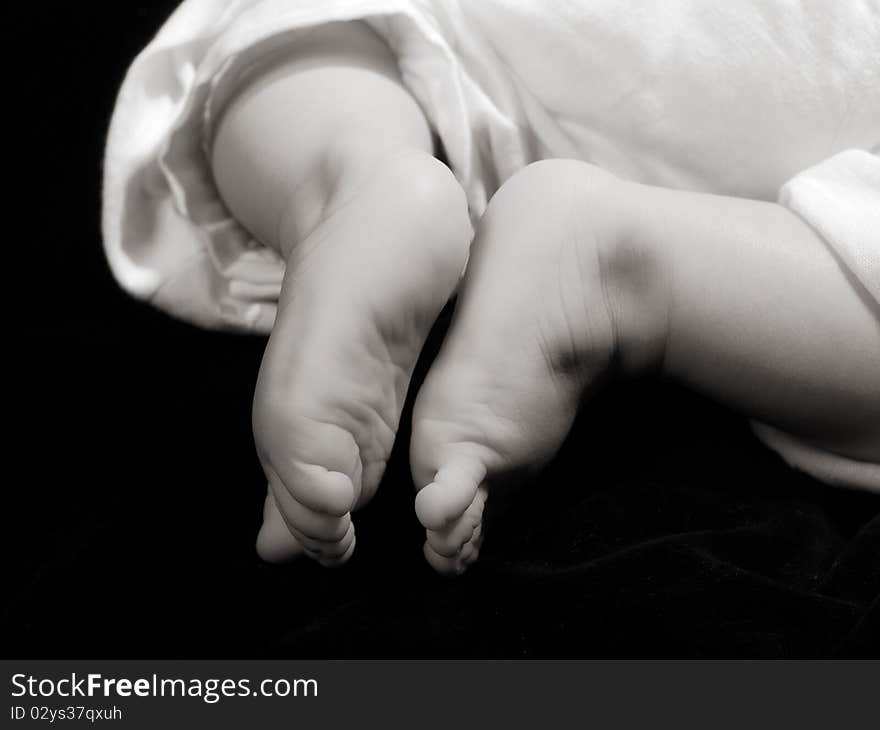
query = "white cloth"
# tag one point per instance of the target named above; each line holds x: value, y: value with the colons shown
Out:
x: 764, y: 100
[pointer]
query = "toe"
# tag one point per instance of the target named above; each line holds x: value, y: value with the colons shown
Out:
x: 457, y: 563
x: 450, y: 541
x: 314, y: 531
x: 275, y: 543
x: 451, y: 566
x: 325, y: 548
x: 471, y: 549
x: 316, y: 488
x: 330, y: 554
x: 335, y: 562
x: 442, y: 564
x: 308, y: 523
x: 453, y: 491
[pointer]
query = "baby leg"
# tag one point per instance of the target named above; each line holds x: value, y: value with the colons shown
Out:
x: 764, y: 318
x: 576, y: 276
x: 327, y: 158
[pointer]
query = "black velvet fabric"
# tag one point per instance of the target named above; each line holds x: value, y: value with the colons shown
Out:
x: 664, y: 528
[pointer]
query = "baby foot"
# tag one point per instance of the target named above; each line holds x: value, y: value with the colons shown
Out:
x: 359, y: 297
x: 555, y: 298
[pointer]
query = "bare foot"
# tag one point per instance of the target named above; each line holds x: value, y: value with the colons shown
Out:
x: 555, y: 297
x: 359, y: 297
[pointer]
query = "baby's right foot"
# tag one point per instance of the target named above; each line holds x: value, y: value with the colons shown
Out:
x: 554, y: 299
x: 359, y: 297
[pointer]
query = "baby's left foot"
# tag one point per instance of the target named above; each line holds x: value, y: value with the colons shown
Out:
x: 556, y: 296
x: 360, y: 295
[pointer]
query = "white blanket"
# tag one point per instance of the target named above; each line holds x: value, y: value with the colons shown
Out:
x: 771, y: 100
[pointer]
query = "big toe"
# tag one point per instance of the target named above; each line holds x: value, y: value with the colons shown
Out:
x: 275, y: 543
x: 452, y: 491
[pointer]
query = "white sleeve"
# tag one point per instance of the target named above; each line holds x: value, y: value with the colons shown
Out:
x: 840, y: 199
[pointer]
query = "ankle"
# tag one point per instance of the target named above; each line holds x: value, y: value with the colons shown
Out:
x: 636, y: 278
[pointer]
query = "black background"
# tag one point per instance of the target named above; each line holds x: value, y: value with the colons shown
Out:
x: 133, y: 493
